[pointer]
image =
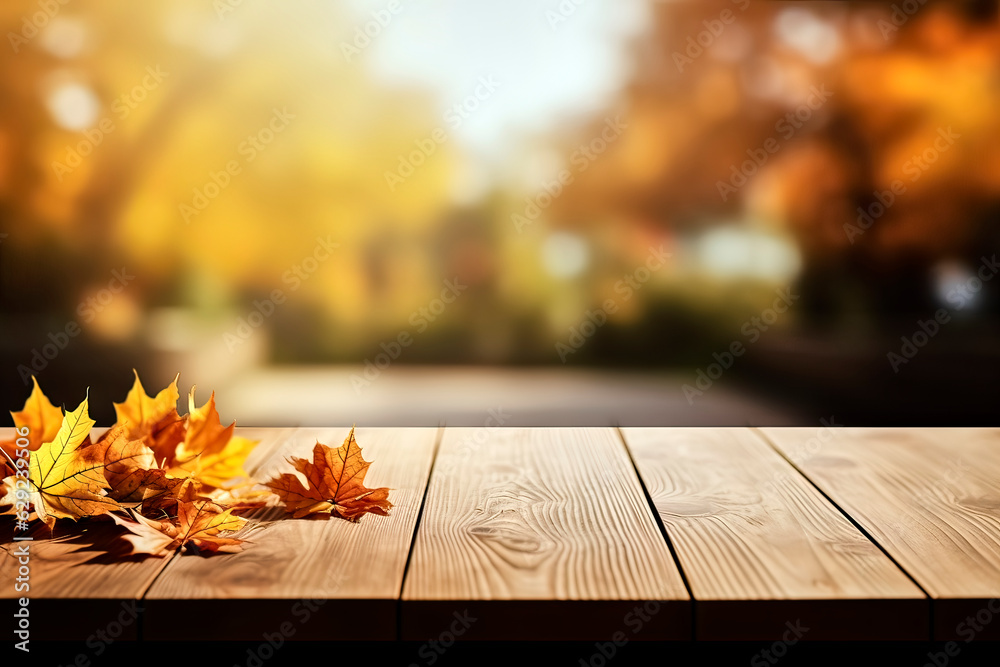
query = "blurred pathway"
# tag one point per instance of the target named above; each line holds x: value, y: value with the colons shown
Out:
x: 465, y: 396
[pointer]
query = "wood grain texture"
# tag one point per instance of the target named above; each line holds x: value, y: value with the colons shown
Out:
x: 89, y: 578
x: 761, y: 547
x: 518, y: 516
x: 309, y: 573
x: 83, y: 569
x: 930, y: 497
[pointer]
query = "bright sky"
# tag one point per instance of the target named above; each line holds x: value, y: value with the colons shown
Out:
x: 548, y: 72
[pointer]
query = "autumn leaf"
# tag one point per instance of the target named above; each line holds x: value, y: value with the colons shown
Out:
x: 165, y: 436
x: 140, y: 413
x: 182, y: 478
x: 127, y: 464
x: 162, y: 495
x: 67, y: 473
x: 243, y: 499
x: 6, y: 472
x: 131, y: 472
x: 43, y: 421
x: 199, y: 527
x: 154, y: 419
x: 335, y: 479
x: 41, y: 417
x: 7, y: 497
x: 210, y: 451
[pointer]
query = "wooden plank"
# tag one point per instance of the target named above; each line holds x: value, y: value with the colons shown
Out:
x: 540, y: 534
x: 83, y: 571
x: 305, y: 576
x: 930, y: 497
x: 88, y: 578
x: 761, y: 548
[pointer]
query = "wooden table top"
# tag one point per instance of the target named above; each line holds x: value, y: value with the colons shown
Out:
x: 831, y: 533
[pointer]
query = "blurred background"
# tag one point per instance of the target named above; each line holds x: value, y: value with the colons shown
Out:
x: 559, y: 211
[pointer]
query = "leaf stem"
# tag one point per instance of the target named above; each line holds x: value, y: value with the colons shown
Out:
x: 13, y: 463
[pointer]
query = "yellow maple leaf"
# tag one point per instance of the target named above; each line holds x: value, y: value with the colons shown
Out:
x: 67, y: 473
x: 140, y: 413
x: 41, y: 417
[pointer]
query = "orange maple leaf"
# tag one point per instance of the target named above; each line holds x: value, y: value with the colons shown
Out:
x: 140, y: 413
x: 196, y: 444
x: 199, y: 527
x: 335, y: 480
x: 210, y: 451
x: 131, y: 470
x: 154, y: 419
x: 165, y: 436
x: 41, y: 417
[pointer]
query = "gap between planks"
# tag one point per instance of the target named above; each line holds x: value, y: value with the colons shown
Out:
x: 542, y: 533
x: 325, y: 565
x: 910, y: 492
x: 663, y: 532
x: 719, y: 507
x: 871, y: 538
x: 416, y: 529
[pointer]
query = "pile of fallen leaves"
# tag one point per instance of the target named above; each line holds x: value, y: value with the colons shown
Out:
x: 171, y: 481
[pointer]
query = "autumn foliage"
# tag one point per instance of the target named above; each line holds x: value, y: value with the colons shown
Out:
x: 173, y: 482
x: 335, y: 484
